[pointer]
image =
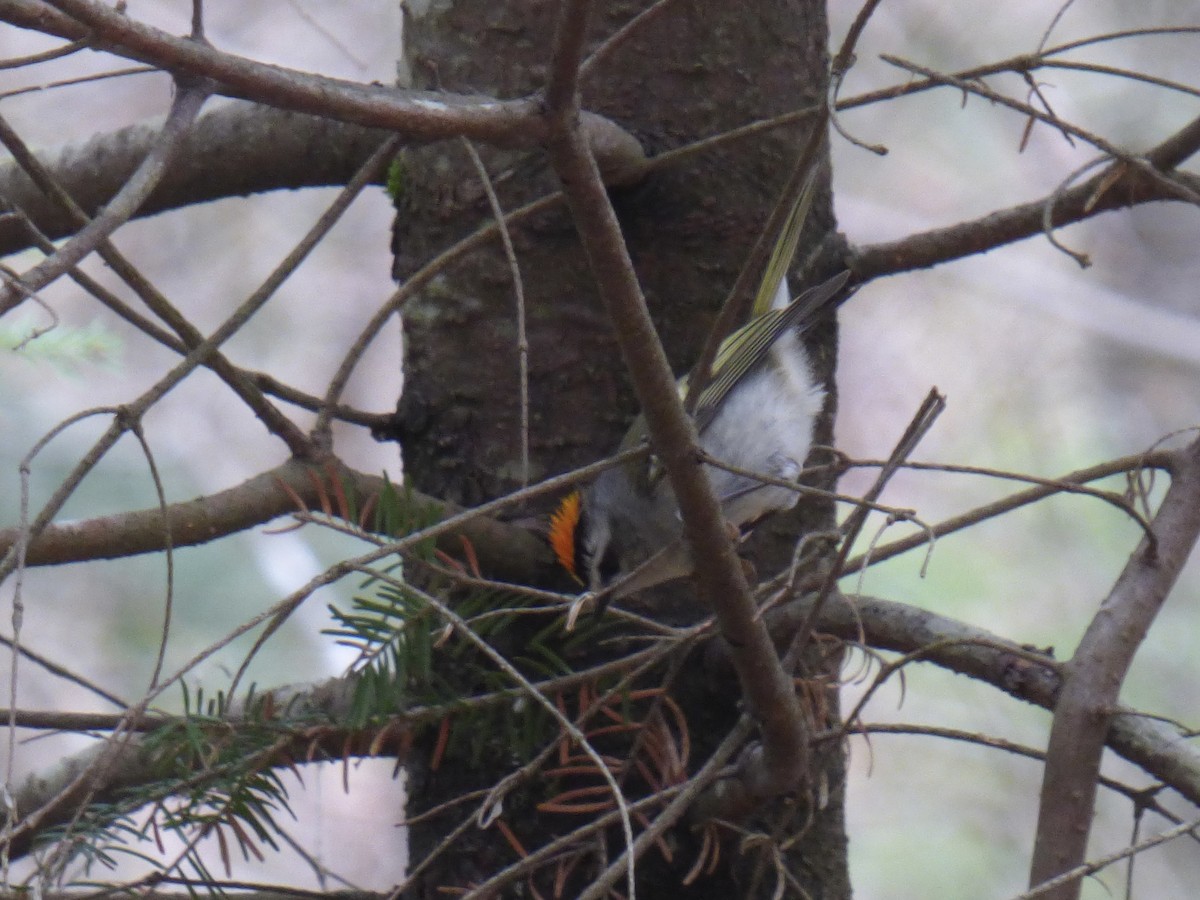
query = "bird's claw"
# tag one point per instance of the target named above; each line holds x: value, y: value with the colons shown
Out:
x: 577, y: 607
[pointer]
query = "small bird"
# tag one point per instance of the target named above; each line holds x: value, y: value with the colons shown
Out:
x: 756, y: 414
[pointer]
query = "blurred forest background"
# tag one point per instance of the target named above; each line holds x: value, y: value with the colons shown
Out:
x: 1046, y: 368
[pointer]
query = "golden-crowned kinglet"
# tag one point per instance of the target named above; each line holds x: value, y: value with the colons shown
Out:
x: 756, y: 414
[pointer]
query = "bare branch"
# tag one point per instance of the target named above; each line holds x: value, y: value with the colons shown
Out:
x: 1153, y: 745
x: 419, y: 115
x: 680, y: 806
x: 239, y: 163
x: 132, y: 412
x: 233, y: 150
x: 723, y: 586
x: 127, y: 764
x: 1067, y: 484
x: 1075, y: 876
x: 1136, y: 795
x: 118, y: 211
x: 240, y: 149
x: 1158, y: 748
x: 504, y: 550
x: 1098, y: 194
x: 1096, y: 672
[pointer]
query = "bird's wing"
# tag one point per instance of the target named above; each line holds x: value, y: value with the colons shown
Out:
x: 775, y: 274
x: 744, y: 350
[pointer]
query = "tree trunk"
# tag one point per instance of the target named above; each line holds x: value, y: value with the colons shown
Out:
x: 697, y: 70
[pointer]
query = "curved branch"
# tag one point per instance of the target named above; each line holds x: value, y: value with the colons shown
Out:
x: 311, y: 713
x: 1154, y: 746
x: 132, y: 193
x: 422, y: 114
x: 245, y: 148
x: 1158, y: 748
x: 1096, y: 672
x: 241, y: 150
x: 418, y: 115
x: 233, y: 150
x: 1101, y: 193
x: 505, y: 551
x: 1139, y: 462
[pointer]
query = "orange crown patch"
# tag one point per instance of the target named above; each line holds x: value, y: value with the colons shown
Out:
x: 563, y: 525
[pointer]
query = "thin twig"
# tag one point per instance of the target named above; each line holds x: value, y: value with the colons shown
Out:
x: 976, y: 87
x: 1156, y: 459
x: 151, y: 296
x: 622, y: 35
x: 530, y: 690
x: 139, y: 185
x: 62, y: 672
x: 20, y: 62
x: 16, y: 557
x: 1141, y: 797
x: 82, y: 79
x: 842, y: 61
x: 683, y: 804
x: 519, y: 298
x: 1083, y: 260
x: 922, y: 421
x: 168, y: 549
x: 370, y: 171
x: 1118, y: 72
x: 1072, y: 878
x: 804, y: 490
